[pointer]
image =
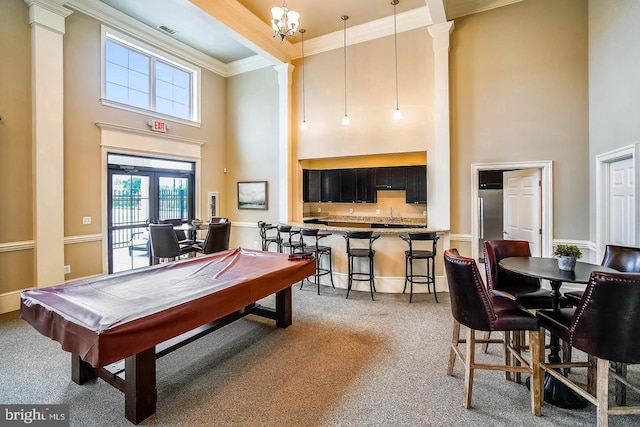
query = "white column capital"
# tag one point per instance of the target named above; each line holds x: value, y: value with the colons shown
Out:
x: 48, y: 13
x: 285, y: 72
x: 440, y: 34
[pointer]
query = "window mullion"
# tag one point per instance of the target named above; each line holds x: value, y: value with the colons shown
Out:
x: 152, y: 84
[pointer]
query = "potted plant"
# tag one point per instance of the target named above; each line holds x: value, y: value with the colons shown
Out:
x: 567, y: 256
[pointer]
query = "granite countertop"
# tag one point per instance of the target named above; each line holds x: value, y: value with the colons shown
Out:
x: 381, y: 231
x: 367, y: 219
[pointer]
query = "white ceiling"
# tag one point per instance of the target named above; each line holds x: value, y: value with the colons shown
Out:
x: 200, y: 30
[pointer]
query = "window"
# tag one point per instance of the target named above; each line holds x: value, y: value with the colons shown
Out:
x: 139, y: 78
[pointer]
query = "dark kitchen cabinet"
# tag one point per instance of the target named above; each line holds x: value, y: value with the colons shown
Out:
x: 366, y: 185
x: 347, y: 185
x: 311, y: 185
x: 416, y: 184
x: 330, y: 185
x: 391, y: 178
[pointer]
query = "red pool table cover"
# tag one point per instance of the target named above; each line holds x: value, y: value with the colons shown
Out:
x: 108, y: 318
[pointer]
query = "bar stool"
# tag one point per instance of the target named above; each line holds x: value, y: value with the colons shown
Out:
x: 286, y: 238
x: 309, y: 238
x: 267, y: 239
x: 360, y: 252
x: 429, y: 255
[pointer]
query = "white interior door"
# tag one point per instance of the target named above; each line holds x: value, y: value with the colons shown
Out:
x: 522, y: 207
x: 621, y: 218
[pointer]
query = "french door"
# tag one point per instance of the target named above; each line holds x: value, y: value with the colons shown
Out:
x: 140, y: 194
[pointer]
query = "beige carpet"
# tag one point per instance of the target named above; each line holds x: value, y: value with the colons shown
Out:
x: 342, y: 363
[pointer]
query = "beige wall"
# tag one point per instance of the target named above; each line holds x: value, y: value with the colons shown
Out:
x: 614, y: 89
x: 370, y: 98
x: 252, y: 147
x: 519, y: 93
x: 83, y: 169
x: 16, y: 184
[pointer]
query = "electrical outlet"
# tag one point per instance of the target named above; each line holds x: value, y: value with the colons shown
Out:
x: 319, y: 209
x: 86, y: 220
x: 377, y: 211
x: 424, y: 213
x: 350, y: 211
x: 67, y: 269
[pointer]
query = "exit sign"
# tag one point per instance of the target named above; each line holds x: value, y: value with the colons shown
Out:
x: 158, y: 126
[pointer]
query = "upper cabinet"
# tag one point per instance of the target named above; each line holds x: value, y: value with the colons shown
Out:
x: 391, y: 178
x: 311, y: 185
x: 366, y: 185
x: 362, y: 184
x: 416, y: 184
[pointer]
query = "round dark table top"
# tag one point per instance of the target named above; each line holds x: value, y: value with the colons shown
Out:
x: 547, y: 268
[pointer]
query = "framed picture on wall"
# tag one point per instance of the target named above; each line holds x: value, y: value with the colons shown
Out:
x: 252, y: 195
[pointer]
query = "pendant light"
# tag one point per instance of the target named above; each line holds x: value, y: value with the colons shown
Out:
x: 397, y: 115
x: 345, y: 119
x: 303, y: 125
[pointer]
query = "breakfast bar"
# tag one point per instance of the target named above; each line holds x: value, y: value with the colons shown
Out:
x: 389, y: 259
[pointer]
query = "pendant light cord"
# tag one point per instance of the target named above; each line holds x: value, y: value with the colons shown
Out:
x: 344, y: 20
x: 395, y: 43
x: 304, y: 101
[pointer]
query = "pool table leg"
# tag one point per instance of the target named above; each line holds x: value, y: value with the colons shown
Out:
x: 140, y: 394
x: 81, y: 371
x: 283, y: 308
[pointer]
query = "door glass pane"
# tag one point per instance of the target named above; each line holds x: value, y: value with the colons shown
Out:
x: 129, y: 219
x: 173, y: 198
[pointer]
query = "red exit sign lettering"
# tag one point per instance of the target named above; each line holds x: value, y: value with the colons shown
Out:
x: 158, y: 126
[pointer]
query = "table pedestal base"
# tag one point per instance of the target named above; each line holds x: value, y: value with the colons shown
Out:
x: 558, y: 394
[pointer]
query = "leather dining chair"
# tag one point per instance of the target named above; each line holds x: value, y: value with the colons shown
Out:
x: 625, y: 259
x: 164, y: 243
x: 622, y: 258
x: 473, y: 306
x: 217, y: 238
x: 180, y: 234
x: 525, y: 290
x: 605, y: 326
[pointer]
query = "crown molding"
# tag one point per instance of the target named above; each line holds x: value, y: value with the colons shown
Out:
x: 410, y: 20
x: 251, y: 63
x: 469, y: 7
x: 138, y: 30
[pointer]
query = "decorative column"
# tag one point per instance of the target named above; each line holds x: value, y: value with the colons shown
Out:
x: 286, y: 153
x: 47, y: 20
x: 439, y: 161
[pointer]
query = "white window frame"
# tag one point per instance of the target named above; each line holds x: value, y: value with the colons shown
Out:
x: 131, y: 43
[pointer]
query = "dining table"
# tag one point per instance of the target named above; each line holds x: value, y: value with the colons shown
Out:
x: 555, y: 392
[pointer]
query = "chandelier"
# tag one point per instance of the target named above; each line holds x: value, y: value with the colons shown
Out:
x: 284, y: 21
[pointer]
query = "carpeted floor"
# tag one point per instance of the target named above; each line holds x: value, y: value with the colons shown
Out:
x: 352, y: 362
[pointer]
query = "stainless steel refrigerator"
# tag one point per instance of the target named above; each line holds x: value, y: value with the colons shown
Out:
x: 490, y: 208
